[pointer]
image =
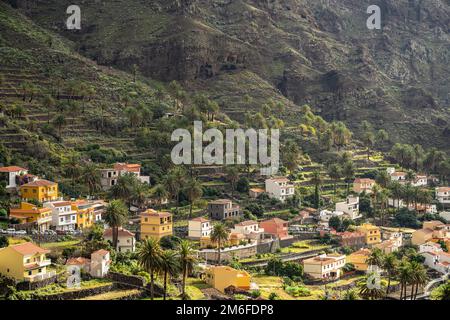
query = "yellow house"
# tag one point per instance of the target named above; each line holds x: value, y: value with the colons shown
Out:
x: 85, y: 214
x: 234, y: 239
x: 156, y: 224
x: 373, y: 234
x: 40, y: 190
x: 221, y: 277
x: 24, y: 262
x: 30, y: 213
x: 359, y: 258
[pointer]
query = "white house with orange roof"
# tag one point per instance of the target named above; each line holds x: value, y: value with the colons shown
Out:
x: 63, y: 217
x: 250, y: 229
x: 363, y: 185
x: 443, y: 195
x: 280, y: 188
x: 435, y: 257
x: 9, y: 175
x: 100, y: 263
x: 126, y: 241
x: 199, y: 227
x: 109, y: 176
x: 324, y: 266
x: 420, y: 180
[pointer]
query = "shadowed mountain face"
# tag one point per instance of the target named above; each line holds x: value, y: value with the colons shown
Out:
x: 318, y: 52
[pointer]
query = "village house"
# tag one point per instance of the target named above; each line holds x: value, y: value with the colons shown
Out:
x: 359, y: 259
x: 25, y: 262
x: 276, y: 227
x: 445, y: 215
x: 363, y: 185
x: 431, y: 231
x: 198, y: 228
x: 443, y: 195
x: 80, y: 262
x: 279, y: 188
x: 399, y: 176
x: 326, y: 215
x: 388, y: 246
x: 435, y: 257
x: 237, y: 247
x: 223, y: 277
x: 255, y: 192
x: 10, y: 175
x: 31, y: 216
x: 250, y: 229
x: 63, y: 216
x: 373, y: 234
x: 223, y: 209
x: 109, y: 177
x: 85, y: 213
x: 350, y: 207
x: 420, y: 181
x: 324, y: 266
x: 100, y: 263
x: 126, y: 242
x: 156, y: 224
x: 39, y: 190
x: 351, y: 239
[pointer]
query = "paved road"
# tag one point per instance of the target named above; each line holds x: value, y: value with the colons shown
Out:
x: 427, y: 289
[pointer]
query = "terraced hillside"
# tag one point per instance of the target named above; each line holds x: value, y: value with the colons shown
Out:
x: 35, y: 65
x: 296, y: 51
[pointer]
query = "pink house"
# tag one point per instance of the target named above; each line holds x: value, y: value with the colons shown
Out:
x: 276, y: 227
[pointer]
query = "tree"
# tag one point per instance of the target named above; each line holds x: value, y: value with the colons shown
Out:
x: 351, y: 294
x: 232, y: 175
x: 59, y: 122
x: 335, y: 223
x: 4, y: 242
x: 418, y: 155
x: 442, y: 292
x: 404, y: 276
x: 368, y: 137
x: 370, y: 290
x: 243, y: 185
x: 375, y: 258
x: 187, y: 260
x: 341, y: 135
x: 390, y: 266
x: 348, y: 172
x: 48, y: 103
x: 135, y: 70
x: 317, y: 181
x: 381, y: 137
x: 123, y: 189
x: 149, y: 257
x: 335, y: 173
x: 116, y: 216
x: 91, y: 177
x: 174, y: 182
x: 139, y: 194
x: 170, y: 267
x: 291, y: 154
x: 383, y: 178
x: 218, y: 235
x: 418, y: 276
x: 194, y: 192
x: 160, y: 193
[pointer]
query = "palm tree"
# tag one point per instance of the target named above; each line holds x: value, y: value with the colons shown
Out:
x: 116, y: 216
x: 219, y: 234
x: 418, y: 276
x: 375, y: 258
x: 442, y: 292
x: 232, y: 174
x: 317, y: 181
x: 48, y: 102
x: 91, y: 177
x: 139, y: 194
x: 390, y: 265
x: 370, y: 290
x: 383, y: 197
x: 383, y: 178
x: 404, y: 276
x: 350, y: 294
x: 123, y: 189
x: 397, y: 192
x: 348, y: 171
x: 187, y: 260
x: 174, y: 182
x: 160, y: 193
x: 72, y: 167
x: 59, y: 122
x: 149, y: 257
x: 193, y: 191
x: 170, y: 266
x: 335, y: 173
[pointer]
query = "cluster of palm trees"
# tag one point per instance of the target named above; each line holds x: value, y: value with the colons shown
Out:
x: 407, y: 270
x: 167, y: 263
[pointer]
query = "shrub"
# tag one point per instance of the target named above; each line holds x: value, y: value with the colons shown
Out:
x: 298, y: 291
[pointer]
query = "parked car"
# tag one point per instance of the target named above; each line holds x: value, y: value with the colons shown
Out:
x: 2, y: 231
x: 10, y: 231
x: 21, y: 232
x: 50, y: 232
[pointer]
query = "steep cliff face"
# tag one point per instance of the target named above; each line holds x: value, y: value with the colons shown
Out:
x: 310, y: 51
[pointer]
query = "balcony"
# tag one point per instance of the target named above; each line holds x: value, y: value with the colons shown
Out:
x: 40, y: 276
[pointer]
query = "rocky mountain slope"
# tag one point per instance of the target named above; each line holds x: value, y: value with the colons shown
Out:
x: 318, y: 52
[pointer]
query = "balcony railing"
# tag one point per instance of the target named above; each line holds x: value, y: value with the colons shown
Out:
x: 40, y: 276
